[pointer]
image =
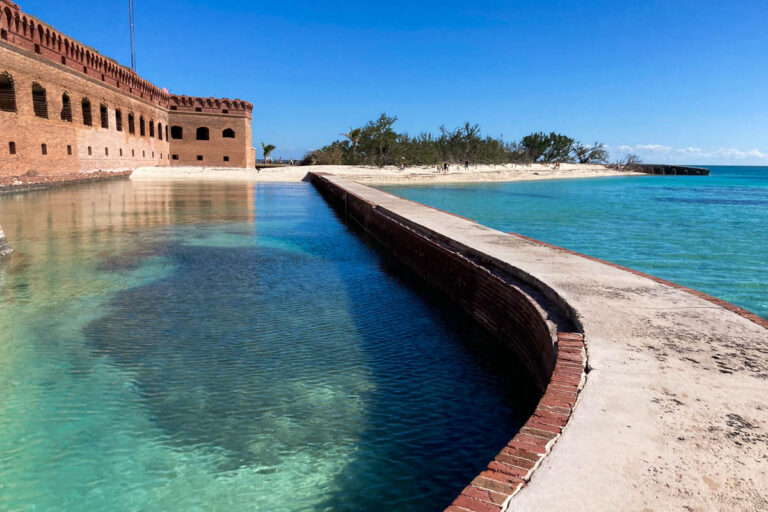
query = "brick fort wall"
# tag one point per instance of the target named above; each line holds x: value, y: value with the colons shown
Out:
x: 65, y: 108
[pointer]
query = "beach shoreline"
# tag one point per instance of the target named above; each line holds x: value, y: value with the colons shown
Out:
x: 387, y: 175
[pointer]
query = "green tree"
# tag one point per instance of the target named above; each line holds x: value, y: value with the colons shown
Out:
x: 595, y: 154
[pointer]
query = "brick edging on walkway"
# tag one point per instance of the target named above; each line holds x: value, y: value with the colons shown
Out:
x: 762, y: 322
x: 512, y: 467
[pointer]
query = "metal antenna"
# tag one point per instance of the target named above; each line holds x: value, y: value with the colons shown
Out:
x: 133, y: 46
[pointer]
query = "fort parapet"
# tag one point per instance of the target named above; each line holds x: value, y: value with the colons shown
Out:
x: 65, y: 108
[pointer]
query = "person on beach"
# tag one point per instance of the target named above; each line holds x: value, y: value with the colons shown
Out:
x: 466, y: 165
x: 445, y: 167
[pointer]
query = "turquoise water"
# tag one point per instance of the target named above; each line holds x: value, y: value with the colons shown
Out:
x: 182, y: 347
x: 706, y: 232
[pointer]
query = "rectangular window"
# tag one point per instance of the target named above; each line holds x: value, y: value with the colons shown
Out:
x: 143, y: 154
x: 226, y: 159
x: 175, y: 157
x: 153, y: 154
x: 198, y: 109
x: 12, y: 148
x: 64, y: 60
x: 106, y: 151
x: 104, y: 116
x: 85, y: 70
x: 37, y: 48
x: 118, y: 120
x: 200, y: 157
x: 44, y: 148
x: 133, y: 152
x: 90, y: 151
x: 4, y: 34
x: 225, y: 111
x: 69, y: 150
x: 121, y: 151
x: 174, y: 108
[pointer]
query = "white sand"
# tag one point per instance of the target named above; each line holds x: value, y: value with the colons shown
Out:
x: 386, y: 175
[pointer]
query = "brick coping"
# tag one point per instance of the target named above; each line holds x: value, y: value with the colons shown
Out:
x: 511, y: 469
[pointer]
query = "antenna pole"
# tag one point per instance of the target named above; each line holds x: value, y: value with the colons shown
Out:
x: 133, y: 47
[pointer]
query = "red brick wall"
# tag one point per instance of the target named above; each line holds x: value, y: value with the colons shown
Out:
x: 237, y: 150
x: 33, y: 52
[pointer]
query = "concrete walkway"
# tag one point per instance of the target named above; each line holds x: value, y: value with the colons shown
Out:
x: 674, y: 413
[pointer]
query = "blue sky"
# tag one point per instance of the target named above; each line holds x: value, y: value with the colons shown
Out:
x: 675, y: 80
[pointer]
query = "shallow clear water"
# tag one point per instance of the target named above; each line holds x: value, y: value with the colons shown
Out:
x: 706, y: 232
x: 229, y: 347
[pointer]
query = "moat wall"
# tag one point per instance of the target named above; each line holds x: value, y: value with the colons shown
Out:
x: 499, y: 302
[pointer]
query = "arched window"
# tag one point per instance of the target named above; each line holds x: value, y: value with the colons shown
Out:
x: 87, y: 117
x: 66, y: 108
x: 203, y: 133
x: 228, y: 133
x: 160, y: 131
x: 166, y: 133
x: 39, y: 100
x: 7, y: 93
x: 118, y: 120
x: 152, y: 129
x: 131, y: 123
x: 104, y: 116
x: 142, y: 131
x: 177, y: 132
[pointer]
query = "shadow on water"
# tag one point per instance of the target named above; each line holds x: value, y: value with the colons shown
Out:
x: 301, y: 336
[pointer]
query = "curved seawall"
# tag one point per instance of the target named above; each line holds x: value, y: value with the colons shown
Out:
x: 670, y: 411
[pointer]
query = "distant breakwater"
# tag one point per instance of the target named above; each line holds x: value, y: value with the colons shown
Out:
x: 673, y: 170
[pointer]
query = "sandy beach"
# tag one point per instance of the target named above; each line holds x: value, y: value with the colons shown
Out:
x: 385, y: 175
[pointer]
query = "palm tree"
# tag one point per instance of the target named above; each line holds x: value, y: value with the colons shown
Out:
x: 267, y: 148
x: 354, y: 138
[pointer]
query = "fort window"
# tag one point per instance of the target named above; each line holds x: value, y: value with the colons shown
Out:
x: 133, y: 152
x: 142, y: 131
x: 226, y: 159
x: 173, y: 107
x: 225, y: 111
x: 12, y: 148
x: 177, y: 132
x: 7, y: 93
x: 160, y: 131
x: 166, y: 132
x: 104, y: 116
x: 87, y: 120
x: 131, y: 124
x: 44, y: 148
x: 143, y: 154
x: 4, y: 34
x: 118, y: 120
x: 229, y: 133
x: 64, y: 60
x: 203, y: 133
x: 198, y: 109
x: 175, y: 157
x: 152, y: 129
x: 69, y: 150
x: 90, y: 151
x: 121, y: 151
x: 200, y: 157
x: 66, y: 108
x: 85, y: 69
x: 106, y: 151
x: 37, y: 48
x: 39, y: 101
